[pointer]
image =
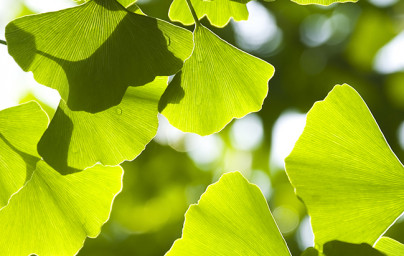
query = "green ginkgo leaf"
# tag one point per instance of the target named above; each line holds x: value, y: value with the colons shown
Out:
x: 77, y: 139
x: 92, y: 53
x: 231, y: 218
x: 218, y: 12
x: 390, y: 246
x: 20, y: 129
x: 345, y: 172
x: 323, y: 2
x: 217, y: 83
x: 53, y: 214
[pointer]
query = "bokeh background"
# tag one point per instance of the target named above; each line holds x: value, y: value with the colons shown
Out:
x: 312, y: 48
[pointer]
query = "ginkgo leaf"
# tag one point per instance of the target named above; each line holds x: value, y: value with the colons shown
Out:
x: 390, y: 246
x: 53, y: 214
x: 323, y: 2
x: 20, y: 129
x: 338, y: 248
x: 231, y: 218
x: 217, y: 83
x: 345, y: 172
x: 77, y: 139
x: 92, y: 53
x: 218, y: 12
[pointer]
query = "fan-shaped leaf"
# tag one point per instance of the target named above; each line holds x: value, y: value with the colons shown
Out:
x: 77, y: 139
x: 53, y: 214
x: 231, y: 218
x: 390, y: 247
x: 20, y: 129
x: 217, y: 83
x: 218, y: 12
x: 91, y: 53
x: 323, y: 2
x: 345, y: 172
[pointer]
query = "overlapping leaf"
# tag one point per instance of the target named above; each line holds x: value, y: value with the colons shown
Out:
x: 218, y: 12
x: 390, y: 246
x: 20, y: 129
x: 48, y: 209
x: 231, y: 218
x: 345, y: 172
x: 91, y: 53
x: 77, y: 139
x: 323, y: 2
x: 217, y: 83
x: 53, y: 214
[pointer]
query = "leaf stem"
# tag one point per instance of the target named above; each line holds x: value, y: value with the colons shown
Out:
x: 3, y: 42
x: 191, y: 8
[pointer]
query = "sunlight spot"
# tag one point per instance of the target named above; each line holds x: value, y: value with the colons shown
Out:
x: 304, y: 235
x: 390, y: 57
x: 247, y: 133
x: 315, y: 30
x: 49, y: 5
x: 286, y: 131
x: 286, y: 218
x: 259, y: 32
x: 401, y: 135
x: 383, y: 3
x: 203, y: 150
x: 169, y: 135
x: 262, y: 180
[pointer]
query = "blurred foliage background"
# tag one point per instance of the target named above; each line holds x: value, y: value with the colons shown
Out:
x: 312, y: 48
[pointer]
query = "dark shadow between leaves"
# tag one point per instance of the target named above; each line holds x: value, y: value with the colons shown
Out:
x: 173, y: 94
x: 133, y: 55
x: 56, y: 155
x: 30, y: 160
x: 310, y: 252
x: 338, y: 248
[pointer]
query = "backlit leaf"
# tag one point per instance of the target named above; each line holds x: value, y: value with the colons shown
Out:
x: 345, y: 172
x: 217, y: 83
x: 20, y: 129
x: 53, y: 214
x: 218, y: 12
x: 92, y: 53
x: 390, y: 246
x: 77, y: 139
x: 231, y: 218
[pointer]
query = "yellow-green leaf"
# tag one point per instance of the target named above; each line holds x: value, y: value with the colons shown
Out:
x: 217, y: 83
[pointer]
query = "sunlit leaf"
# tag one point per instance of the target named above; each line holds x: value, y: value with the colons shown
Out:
x: 20, y: 129
x: 92, y: 53
x: 217, y: 83
x: 345, y: 172
x: 323, y: 2
x: 218, y: 12
x: 231, y: 218
x: 77, y: 139
x: 390, y: 247
x: 53, y: 214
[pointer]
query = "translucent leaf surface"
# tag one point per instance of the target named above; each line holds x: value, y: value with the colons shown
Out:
x: 323, y: 2
x: 218, y: 12
x: 20, y: 129
x: 390, y: 247
x: 53, y: 214
x: 217, y: 83
x: 231, y: 218
x: 77, y: 139
x: 92, y: 53
x: 345, y: 172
